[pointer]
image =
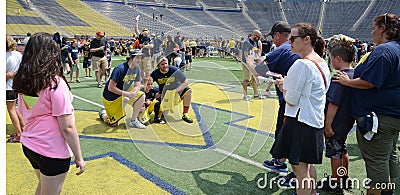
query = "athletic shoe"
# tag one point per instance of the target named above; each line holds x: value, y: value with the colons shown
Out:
x: 247, y: 98
x: 159, y: 120
x: 330, y: 186
x: 288, y: 180
x: 14, y: 139
x: 275, y: 164
x: 101, y: 112
x: 136, y: 124
x: 259, y: 97
x: 186, y: 118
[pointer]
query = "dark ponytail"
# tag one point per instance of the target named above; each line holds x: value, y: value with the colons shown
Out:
x: 392, y: 23
x: 317, y: 42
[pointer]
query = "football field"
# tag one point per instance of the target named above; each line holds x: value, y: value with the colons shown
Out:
x: 220, y: 153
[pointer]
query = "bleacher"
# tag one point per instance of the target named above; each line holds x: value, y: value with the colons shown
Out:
x: 346, y: 15
x: 265, y: 14
x: 116, y: 17
x: 20, y: 19
x: 78, y: 19
x: 296, y: 12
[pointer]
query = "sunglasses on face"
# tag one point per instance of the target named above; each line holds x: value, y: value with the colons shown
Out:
x: 292, y: 38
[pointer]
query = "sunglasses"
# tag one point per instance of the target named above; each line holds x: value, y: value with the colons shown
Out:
x: 292, y: 38
x: 385, y: 15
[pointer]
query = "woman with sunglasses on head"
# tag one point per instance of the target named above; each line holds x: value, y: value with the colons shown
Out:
x: 377, y: 92
x: 45, y: 102
x: 301, y: 138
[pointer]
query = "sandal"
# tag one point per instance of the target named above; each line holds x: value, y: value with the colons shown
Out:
x: 78, y: 81
x: 71, y: 81
x: 100, y: 85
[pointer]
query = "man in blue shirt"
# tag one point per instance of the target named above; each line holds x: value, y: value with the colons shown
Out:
x: 279, y: 61
x: 171, y: 78
x: 123, y: 88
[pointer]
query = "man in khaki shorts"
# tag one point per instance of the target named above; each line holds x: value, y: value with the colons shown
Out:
x: 146, y: 45
x: 99, y: 60
x: 249, y: 45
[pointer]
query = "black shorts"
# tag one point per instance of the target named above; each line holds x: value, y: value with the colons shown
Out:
x: 87, y: 63
x: 11, y: 95
x: 47, y: 166
x: 188, y: 59
x: 299, y: 142
x: 184, y: 92
x: 335, y: 147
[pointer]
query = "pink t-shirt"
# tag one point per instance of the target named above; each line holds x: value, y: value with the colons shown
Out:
x: 42, y: 132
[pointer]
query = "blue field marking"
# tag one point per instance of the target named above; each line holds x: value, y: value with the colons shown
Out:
x: 143, y: 142
x: 205, y: 133
x: 142, y: 172
x: 232, y: 123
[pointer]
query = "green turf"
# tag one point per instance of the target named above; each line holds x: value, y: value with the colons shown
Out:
x: 229, y: 176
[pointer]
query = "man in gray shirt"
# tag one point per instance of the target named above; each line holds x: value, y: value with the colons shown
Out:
x: 248, y: 47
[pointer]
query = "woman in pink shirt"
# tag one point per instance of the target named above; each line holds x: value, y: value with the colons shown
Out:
x: 49, y: 138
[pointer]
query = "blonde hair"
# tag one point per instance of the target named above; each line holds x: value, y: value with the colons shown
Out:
x: 161, y: 59
x: 11, y: 43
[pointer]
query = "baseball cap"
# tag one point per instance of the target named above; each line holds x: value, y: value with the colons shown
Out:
x: 135, y: 52
x: 100, y: 33
x: 280, y: 26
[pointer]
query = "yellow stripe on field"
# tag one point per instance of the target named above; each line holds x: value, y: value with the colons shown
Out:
x: 116, y: 179
x: 264, y: 111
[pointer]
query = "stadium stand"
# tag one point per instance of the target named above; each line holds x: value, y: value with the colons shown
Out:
x: 78, y: 19
x: 302, y: 11
x: 201, y: 18
x: 345, y: 15
x: 20, y: 19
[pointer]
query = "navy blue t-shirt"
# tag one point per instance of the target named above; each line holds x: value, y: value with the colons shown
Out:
x: 74, y: 52
x: 382, y: 69
x: 340, y: 95
x: 171, y: 80
x: 279, y: 60
x: 124, y: 77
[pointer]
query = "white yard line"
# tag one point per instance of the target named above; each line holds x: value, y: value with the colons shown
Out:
x: 218, y: 150
x: 88, y: 101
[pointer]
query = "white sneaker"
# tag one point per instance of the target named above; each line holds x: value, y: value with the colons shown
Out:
x: 136, y: 124
x: 247, y: 98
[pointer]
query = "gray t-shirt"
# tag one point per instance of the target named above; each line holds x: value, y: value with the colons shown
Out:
x: 156, y: 45
x: 248, y: 45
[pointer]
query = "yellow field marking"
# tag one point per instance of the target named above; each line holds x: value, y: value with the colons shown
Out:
x: 264, y: 111
x: 116, y: 179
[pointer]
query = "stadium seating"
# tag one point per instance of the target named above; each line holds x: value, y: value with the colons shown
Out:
x: 202, y: 18
x: 77, y: 19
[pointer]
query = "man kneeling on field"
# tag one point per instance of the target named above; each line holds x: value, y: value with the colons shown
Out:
x: 123, y: 88
x: 173, y: 87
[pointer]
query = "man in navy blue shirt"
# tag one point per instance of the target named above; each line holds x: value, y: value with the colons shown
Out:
x: 123, y: 88
x: 279, y: 61
x: 171, y: 78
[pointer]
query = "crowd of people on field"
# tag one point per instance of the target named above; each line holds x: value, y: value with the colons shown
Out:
x: 316, y: 109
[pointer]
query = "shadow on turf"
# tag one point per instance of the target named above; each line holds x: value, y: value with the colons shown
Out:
x: 236, y: 184
x: 101, y: 128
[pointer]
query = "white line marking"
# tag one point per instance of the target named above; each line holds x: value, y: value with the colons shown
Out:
x: 243, y: 159
x: 88, y: 101
x: 221, y: 151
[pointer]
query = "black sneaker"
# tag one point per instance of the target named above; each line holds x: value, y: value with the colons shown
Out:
x: 347, y: 184
x: 159, y: 120
x: 275, y: 164
x: 186, y: 118
x: 328, y: 184
x: 288, y: 180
